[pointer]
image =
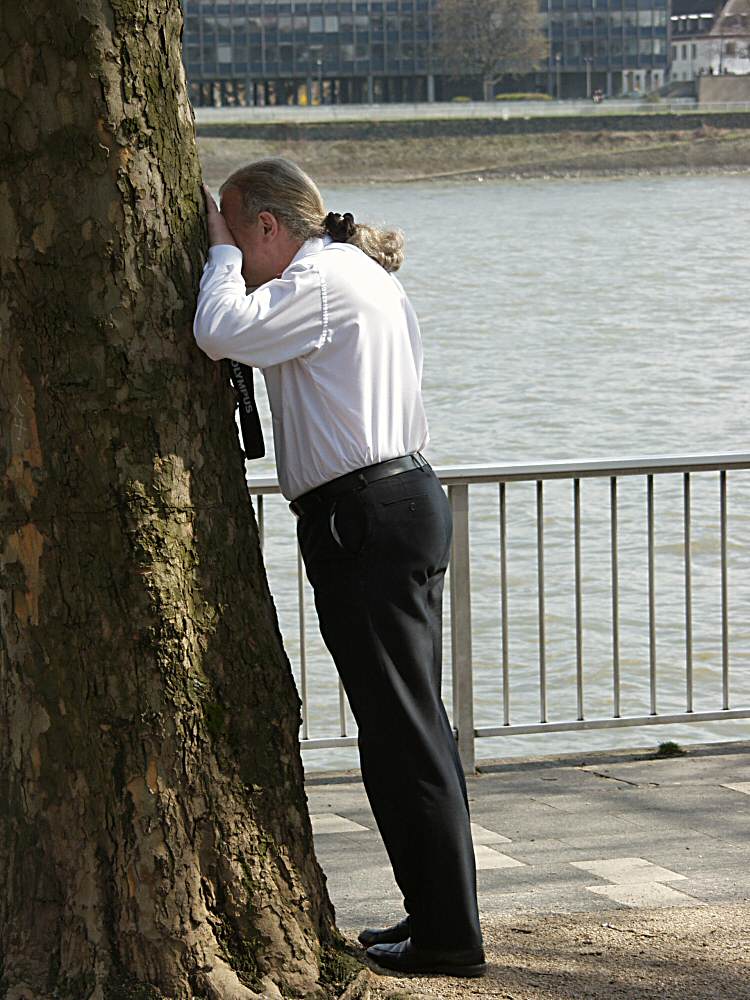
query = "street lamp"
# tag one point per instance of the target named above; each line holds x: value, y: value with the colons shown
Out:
x: 558, y: 74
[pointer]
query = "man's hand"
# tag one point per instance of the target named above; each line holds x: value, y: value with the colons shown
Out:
x: 218, y: 230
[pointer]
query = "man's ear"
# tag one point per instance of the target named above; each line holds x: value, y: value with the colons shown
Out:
x: 270, y: 224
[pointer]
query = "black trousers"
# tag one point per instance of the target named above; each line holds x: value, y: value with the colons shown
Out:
x: 376, y: 558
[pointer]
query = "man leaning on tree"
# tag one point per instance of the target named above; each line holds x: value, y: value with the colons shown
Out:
x: 338, y: 343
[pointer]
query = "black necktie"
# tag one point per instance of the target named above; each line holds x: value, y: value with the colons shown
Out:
x: 252, y: 432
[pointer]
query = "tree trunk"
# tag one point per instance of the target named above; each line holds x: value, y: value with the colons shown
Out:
x: 154, y: 836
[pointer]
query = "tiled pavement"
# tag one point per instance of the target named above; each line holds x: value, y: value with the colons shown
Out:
x: 578, y: 833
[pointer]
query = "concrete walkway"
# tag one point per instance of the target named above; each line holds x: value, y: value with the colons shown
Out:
x: 582, y: 833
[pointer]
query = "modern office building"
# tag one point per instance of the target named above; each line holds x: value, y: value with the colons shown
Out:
x: 334, y: 51
x: 341, y: 51
x: 616, y: 46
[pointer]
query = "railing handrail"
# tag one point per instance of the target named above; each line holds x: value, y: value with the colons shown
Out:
x: 299, y: 114
x: 462, y: 475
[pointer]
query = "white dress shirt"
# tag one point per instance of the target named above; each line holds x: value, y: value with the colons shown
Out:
x: 339, y: 346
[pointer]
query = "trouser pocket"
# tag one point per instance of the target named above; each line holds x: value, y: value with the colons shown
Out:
x: 350, y: 523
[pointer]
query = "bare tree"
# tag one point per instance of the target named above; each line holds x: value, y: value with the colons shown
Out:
x: 154, y: 835
x: 490, y: 38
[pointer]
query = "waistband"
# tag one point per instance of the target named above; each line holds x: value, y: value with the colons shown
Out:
x: 355, y: 480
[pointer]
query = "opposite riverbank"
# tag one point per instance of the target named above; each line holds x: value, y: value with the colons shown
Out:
x: 403, y: 158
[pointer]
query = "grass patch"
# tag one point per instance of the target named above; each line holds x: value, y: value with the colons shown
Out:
x: 670, y: 749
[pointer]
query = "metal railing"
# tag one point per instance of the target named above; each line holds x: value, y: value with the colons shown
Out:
x: 458, y: 109
x: 460, y: 481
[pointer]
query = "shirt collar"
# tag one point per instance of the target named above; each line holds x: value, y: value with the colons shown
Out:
x: 314, y: 245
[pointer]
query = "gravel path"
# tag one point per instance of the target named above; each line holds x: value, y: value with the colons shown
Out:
x: 681, y: 953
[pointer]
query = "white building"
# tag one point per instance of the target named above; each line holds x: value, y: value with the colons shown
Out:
x: 703, y: 43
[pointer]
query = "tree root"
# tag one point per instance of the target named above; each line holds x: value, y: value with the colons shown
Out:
x: 222, y: 983
x: 359, y: 988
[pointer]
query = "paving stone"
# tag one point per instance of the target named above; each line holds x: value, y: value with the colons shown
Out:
x: 573, y: 829
x: 624, y: 871
x: 486, y: 857
x: 333, y: 823
x: 739, y: 786
x: 481, y: 835
x: 711, y: 888
x: 528, y: 877
x: 644, y: 894
x: 535, y: 850
x: 565, y: 899
x: 379, y: 881
x: 701, y: 858
x: 361, y: 814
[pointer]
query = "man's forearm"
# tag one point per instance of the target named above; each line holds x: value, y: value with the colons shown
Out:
x: 218, y: 230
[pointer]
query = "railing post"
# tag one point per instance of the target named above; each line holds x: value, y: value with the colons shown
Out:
x: 460, y: 580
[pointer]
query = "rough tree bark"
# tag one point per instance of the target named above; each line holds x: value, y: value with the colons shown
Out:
x: 154, y: 836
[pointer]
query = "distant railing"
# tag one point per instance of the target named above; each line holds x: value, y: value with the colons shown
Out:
x: 458, y: 109
x: 459, y: 481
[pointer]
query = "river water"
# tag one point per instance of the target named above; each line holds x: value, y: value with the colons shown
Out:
x: 564, y: 320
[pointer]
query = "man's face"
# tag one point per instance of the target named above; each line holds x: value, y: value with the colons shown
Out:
x: 252, y: 237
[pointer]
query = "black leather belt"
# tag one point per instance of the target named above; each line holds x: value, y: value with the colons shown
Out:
x: 354, y: 481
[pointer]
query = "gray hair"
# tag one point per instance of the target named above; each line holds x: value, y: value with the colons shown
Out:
x: 279, y: 186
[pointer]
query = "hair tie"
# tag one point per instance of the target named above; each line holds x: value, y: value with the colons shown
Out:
x: 340, y: 227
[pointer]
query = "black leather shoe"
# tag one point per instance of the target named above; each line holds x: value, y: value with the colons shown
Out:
x: 387, y: 935
x: 404, y: 957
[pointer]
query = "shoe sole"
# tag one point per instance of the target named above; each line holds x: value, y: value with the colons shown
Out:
x: 464, y: 971
x: 468, y: 971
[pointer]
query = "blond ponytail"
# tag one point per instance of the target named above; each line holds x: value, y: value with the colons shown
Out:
x: 385, y: 246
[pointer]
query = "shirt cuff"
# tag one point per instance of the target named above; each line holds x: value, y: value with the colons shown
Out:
x: 225, y: 253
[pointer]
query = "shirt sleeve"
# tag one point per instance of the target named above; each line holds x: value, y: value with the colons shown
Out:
x: 283, y: 319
